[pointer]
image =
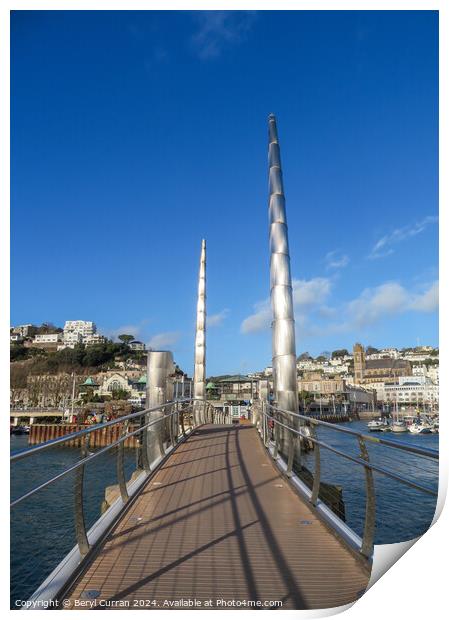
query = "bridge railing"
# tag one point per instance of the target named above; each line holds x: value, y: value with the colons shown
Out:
x: 336, y: 466
x: 156, y: 431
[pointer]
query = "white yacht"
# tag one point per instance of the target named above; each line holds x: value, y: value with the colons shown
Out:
x: 420, y: 428
x: 399, y: 426
x: 377, y: 425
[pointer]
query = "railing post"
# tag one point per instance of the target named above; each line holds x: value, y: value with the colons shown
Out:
x: 183, y: 429
x: 276, y: 439
x: 317, y: 474
x: 145, y: 457
x: 291, y: 453
x: 121, y: 465
x: 169, y: 421
x: 176, y: 422
x: 265, y: 425
x: 370, y: 509
x: 80, y: 525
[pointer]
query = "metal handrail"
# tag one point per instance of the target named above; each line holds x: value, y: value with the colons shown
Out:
x: 429, y: 452
x: 355, y: 459
x: 367, y: 542
x: 204, y: 413
x: 15, y: 456
x: 90, y: 457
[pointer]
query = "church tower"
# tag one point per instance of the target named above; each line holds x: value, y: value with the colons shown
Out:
x: 359, y: 363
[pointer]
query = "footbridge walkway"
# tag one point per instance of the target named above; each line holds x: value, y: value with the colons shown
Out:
x: 216, y: 516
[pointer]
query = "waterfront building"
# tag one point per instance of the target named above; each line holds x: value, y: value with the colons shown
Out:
x: 316, y: 383
x: 106, y: 384
x: 412, y: 392
x: 236, y: 388
x: 378, y: 370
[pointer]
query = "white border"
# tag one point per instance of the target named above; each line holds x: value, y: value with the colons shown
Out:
x: 416, y: 585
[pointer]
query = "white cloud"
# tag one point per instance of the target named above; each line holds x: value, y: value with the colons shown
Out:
x: 217, y: 319
x: 306, y: 293
x: 383, y: 247
x: 311, y: 292
x: 371, y: 306
x: 218, y: 29
x: 389, y: 299
x: 164, y: 339
x: 427, y: 301
x: 336, y: 260
x: 258, y: 321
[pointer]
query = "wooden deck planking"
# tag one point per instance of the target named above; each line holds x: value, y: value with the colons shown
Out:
x: 218, y: 521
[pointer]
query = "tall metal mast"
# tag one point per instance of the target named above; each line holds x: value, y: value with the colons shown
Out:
x: 199, y: 380
x: 283, y: 326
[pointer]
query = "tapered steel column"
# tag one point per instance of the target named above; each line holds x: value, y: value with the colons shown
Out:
x: 199, y: 377
x: 160, y: 367
x: 283, y: 325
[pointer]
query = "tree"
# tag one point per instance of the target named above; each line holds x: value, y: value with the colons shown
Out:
x: 370, y: 350
x: 321, y: 358
x: 304, y: 356
x: 48, y: 328
x: 120, y: 394
x: 339, y: 353
x: 126, y: 338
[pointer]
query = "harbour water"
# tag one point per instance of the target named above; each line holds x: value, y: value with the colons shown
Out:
x: 402, y: 513
x: 42, y: 531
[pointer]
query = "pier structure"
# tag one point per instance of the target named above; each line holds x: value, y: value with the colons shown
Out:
x: 216, y: 512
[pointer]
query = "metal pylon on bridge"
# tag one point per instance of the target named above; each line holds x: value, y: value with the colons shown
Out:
x: 283, y: 325
x: 199, y: 377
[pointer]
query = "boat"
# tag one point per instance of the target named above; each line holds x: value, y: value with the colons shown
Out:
x: 20, y: 430
x: 435, y: 425
x: 399, y: 426
x: 420, y: 428
x: 379, y: 424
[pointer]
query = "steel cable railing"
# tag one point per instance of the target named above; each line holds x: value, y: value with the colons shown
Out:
x: 306, y: 446
x: 155, y: 438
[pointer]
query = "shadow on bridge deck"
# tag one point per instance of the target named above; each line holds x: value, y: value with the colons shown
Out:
x: 218, y: 521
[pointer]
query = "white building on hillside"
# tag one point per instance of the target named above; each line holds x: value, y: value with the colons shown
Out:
x: 25, y: 331
x: 47, y: 338
x: 85, y: 328
x: 76, y: 332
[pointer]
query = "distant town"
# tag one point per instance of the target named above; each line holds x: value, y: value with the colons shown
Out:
x: 59, y: 367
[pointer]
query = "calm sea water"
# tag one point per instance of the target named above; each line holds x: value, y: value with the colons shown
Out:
x: 42, y: 529
x: 402, y: 513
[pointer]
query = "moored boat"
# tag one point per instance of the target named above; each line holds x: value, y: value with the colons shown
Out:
x: 399, y: 426
x: 379, y: 424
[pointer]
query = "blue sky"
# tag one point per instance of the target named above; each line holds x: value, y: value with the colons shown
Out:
x: 135, y: 134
